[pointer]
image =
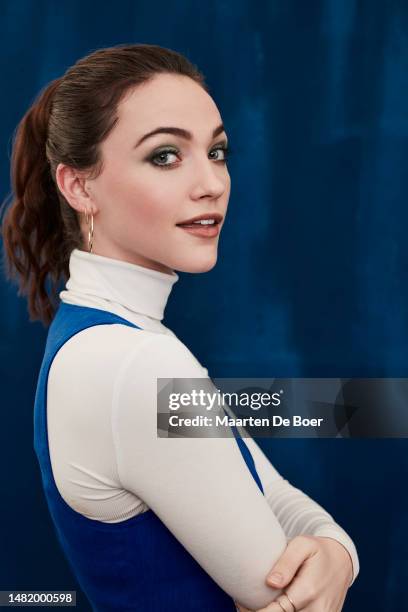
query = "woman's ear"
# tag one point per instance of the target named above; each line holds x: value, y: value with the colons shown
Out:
x: 72, y: 185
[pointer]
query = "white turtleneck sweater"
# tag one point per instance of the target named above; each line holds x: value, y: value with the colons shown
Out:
x: 109, y: 464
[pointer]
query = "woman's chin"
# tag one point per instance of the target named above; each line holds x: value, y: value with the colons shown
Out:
x: 203, y: 264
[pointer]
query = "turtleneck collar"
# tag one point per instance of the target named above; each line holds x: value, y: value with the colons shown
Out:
x: 139, y: 289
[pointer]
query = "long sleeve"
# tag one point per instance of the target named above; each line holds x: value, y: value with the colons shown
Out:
x: 297, y: 512
x: 200, y: 488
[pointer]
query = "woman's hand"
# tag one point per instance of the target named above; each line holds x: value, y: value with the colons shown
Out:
x: 316, y: 573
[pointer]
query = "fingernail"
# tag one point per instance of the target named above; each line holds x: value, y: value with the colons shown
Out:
x: 275, y: 577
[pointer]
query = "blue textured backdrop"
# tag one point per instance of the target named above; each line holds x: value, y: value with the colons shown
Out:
x: 311, y: 276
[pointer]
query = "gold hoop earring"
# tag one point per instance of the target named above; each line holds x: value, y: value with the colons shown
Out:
x: 90, y: 231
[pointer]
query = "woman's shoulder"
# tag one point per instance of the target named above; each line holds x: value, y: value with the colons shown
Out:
x: 163, y: 353
x: 108, y: 348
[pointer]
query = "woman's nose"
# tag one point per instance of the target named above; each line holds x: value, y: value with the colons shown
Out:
x: 209, y: 180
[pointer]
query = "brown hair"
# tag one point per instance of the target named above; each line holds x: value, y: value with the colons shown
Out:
x: 66, y: 123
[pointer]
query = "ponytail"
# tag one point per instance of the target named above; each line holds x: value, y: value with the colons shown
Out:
x: 32, y: 227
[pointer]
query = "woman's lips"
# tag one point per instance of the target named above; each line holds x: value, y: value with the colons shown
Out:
x: 204, y: 231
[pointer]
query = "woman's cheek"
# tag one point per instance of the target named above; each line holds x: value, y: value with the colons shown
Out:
x: 158, y: 212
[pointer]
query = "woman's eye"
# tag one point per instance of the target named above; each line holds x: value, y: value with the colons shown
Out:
x: 224, y: 153
x: 161, y: 158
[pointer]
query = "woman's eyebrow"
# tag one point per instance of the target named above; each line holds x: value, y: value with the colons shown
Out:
x: 177, y: 132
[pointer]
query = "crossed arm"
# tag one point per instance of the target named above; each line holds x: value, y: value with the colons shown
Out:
x: 202, y: 489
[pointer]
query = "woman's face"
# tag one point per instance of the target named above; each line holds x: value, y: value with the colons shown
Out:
x: 149, y: 184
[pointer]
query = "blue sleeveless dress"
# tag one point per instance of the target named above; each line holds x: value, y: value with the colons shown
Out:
x: 136, y: 564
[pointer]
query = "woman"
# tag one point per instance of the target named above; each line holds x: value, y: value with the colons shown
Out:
x: 112, y: 167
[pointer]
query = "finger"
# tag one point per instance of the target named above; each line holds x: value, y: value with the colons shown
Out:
x: 272, y: 607
x: 291, y: 606
x: 302, y: 591
x: 297, y: 551
x: 284, y: 604
x: 279, y: 605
